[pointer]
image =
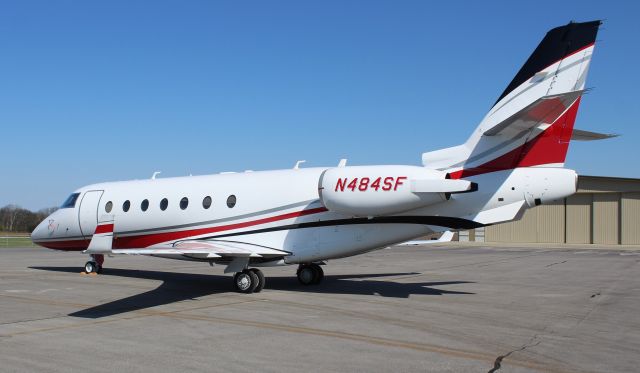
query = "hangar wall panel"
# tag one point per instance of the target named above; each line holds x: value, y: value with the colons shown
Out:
x: 578, y: 218
x: 523, y: 230
x: 539, y: 224
x: 605, y: 218
x: 499, y: 232
x: 550, y: 222
x: 630, y: 216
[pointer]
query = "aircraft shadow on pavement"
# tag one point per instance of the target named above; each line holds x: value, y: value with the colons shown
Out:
x: 177, y: 287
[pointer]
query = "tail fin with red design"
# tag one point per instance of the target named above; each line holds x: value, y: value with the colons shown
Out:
x: 531, y: 123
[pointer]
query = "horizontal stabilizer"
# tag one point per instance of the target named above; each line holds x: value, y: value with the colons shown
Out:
x: 582, y: 135
x: 544, y: 110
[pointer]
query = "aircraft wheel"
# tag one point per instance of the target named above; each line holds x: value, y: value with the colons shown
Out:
x: 91, y: 267
x: 319, y: 274
x: 245, y: 281
x: 307, y: 274
x: 261, y: 279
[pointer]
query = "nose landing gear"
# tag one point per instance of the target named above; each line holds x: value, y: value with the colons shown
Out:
x: 94, y: 265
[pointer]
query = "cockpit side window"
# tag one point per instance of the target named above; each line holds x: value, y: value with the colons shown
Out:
x: 70, y: 202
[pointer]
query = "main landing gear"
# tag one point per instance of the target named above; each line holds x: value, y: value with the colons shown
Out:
x: 310, y: 274
x: 94, y: 265
x: 249, y: 281
x: 252, y: 280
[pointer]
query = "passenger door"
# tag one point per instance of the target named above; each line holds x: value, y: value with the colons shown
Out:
x: 88, y: 213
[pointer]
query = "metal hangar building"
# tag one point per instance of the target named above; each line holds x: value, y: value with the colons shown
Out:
x: 604, y: 211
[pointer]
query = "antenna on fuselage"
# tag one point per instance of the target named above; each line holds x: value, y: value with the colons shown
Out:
x: 153, y: 177
x: 343, y: 162
x: 297, y: 166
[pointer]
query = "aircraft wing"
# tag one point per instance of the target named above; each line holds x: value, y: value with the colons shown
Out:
x: 206, y: 249
x: 236, y: 254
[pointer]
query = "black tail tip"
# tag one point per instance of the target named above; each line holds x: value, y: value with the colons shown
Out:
x: 558, y: 43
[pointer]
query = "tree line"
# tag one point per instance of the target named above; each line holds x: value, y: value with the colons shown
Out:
x: 14, y: 218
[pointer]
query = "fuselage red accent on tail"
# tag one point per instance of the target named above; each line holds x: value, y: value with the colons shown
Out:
x: 548, y: 148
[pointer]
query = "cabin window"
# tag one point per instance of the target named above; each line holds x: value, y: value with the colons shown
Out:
x: 231, y: 201
x: 126, y: 205
x: 184, y: 202
x: 206, y: 202
x: 108, y: 207
x: 144, y: 205
x: 163, y: 204
x: 70, y: 202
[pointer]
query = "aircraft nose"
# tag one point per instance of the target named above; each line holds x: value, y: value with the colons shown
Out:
x: 39, y: 232
x: 45, y: 230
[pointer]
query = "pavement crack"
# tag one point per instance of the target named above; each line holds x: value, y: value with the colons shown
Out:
x: 497, y: 364
x: 552, y: 264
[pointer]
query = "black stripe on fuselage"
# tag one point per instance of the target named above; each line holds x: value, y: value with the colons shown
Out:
x: 312, y: 203
x: 556, y: 45
x: 440, y: 221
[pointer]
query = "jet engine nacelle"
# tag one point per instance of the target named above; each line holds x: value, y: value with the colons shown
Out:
x: 546, y: 184
x: 384, y: 190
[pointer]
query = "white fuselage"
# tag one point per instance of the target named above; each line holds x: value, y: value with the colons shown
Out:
x: 283, y: 209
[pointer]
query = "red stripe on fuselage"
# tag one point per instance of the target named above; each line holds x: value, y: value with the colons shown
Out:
x: 152, y: 239
x: 69, y: 245
x: 105, y: 228
x: 145, y: 240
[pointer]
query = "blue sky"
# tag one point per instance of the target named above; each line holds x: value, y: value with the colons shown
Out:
x: 97, y: 91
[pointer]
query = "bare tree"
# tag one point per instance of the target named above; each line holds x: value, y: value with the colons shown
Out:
x: 13, y: 218
x: 12, y: 215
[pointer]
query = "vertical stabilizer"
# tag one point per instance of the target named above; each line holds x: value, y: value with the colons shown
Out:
x: 531, y: 122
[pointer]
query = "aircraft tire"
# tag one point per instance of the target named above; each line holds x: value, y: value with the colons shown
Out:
x: 319, y: 274
x: 245, y: 281
x: 307, y: 274
x: 261, y: 279
x: 91, y: 267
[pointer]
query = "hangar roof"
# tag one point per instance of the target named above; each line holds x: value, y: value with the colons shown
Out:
x: 607, y: 184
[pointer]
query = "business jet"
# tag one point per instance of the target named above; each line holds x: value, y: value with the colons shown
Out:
x: 245, y: 221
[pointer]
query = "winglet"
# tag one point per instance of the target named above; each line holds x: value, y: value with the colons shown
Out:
x: 102, y: 239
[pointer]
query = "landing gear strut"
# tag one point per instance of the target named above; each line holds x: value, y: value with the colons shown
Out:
x: 94, y: 265
x: 249, y: 281
x: 310, y: 274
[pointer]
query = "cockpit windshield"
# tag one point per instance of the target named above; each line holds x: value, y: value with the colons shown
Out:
x: 71, y: 201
